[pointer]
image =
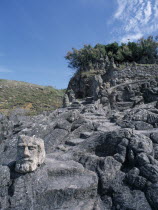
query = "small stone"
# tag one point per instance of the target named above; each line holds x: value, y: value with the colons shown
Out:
x: 74, y: 142
x: 85, y: 135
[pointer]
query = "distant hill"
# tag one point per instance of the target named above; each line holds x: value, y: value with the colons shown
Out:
x: 33, y: 99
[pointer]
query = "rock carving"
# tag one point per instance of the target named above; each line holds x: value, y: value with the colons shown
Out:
x: 30, y: 154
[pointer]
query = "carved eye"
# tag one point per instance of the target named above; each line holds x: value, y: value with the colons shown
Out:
x: 31, y: 147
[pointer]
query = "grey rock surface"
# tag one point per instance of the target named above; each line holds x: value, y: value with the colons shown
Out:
x: 56, y: 185
x: 101, y: 147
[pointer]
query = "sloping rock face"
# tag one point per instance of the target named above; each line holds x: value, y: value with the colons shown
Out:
x: 128, y: 82
x: 101, y: 149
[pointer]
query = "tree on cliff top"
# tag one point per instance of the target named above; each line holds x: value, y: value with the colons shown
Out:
x: 143, y: 51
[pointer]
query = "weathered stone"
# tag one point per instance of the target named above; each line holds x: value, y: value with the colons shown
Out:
x: 156, y: 151
x: 74, y: 142
x: 30, y: 154
x: 105, y: 101
x: 135, y: 180
x: 108, y: 172
x: 151, y: 194
x: 139, y: 125
x: 154, y: 137
x: 150, y: 172
x: 4, y: 185
x: 63, y: 124
x: 124, y: 160
x: 71, y: 95
x: 142, y: 159
x: 85, y: 135
x: 121, y: 151
x: 141, y: 143
x: 72, y: 116
x: 56, y: 185
x: 126, y: 199
x: 66, y: 101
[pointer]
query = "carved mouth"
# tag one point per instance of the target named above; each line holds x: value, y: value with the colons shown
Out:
x: 27, y: 160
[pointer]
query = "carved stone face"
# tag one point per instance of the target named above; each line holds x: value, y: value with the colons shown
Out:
x: 30, y: 154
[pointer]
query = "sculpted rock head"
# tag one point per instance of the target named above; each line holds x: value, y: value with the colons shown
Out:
x: 30, y: 154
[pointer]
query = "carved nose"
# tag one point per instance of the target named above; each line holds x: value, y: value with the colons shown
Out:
x: 26, y: 152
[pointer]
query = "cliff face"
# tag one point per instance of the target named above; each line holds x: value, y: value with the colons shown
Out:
x: 88, y: 84
x: 102, y: 147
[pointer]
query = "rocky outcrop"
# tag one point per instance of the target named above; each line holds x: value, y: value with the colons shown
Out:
x: 55, y: 185
x: 101, y: 150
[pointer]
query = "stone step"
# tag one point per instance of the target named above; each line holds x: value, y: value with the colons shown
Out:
x: 74, y: 142
x: 89, y: 99
x: 108, y: 127
x: 147, y: 132
x: 62, y: 168
x: 70, y: 182
x: 98, y: 120
x: 104, y: 123
x: 95, y: 117
x: 57, y: 185
x: 87, y: 102
x: 73, y: 108
x: 85, y: 135
x: 121, y: 106
x: 93, y: 114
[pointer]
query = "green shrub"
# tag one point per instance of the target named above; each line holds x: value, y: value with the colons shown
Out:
x: 143, y: 51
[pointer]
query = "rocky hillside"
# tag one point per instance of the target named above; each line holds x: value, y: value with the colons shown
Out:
x: 26, y: 98
x: 91, y: 83
x: 101, y: 148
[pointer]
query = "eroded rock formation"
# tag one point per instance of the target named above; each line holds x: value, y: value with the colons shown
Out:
x: 101, y: 148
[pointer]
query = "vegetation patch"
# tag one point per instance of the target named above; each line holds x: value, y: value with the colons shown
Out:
x: 144, y: 51
x: 32, y: 99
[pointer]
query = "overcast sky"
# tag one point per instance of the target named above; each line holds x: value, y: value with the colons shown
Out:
x: 35, y: 35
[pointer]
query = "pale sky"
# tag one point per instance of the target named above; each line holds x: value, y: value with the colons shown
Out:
x: 35, y: 35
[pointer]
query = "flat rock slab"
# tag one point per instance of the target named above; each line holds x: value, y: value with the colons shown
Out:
x: 62, y: 168
x: 57, y: 185
x: 85, y: 135
x: 149, y: 133
x: 74, y: 142
x: 108, y: 127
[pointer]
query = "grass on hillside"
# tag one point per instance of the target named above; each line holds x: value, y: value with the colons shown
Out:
x: 34, y: 99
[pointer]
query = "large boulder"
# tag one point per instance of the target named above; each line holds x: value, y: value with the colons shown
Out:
x: 56, y: 185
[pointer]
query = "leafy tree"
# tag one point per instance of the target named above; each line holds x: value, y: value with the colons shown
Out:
x: 119, y: 57
x: 126, y: 52
x: 149, y: 48
x: 101, y: 49
x: 142, y: 51
x: 113, y: 47
x: 136, y: 51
